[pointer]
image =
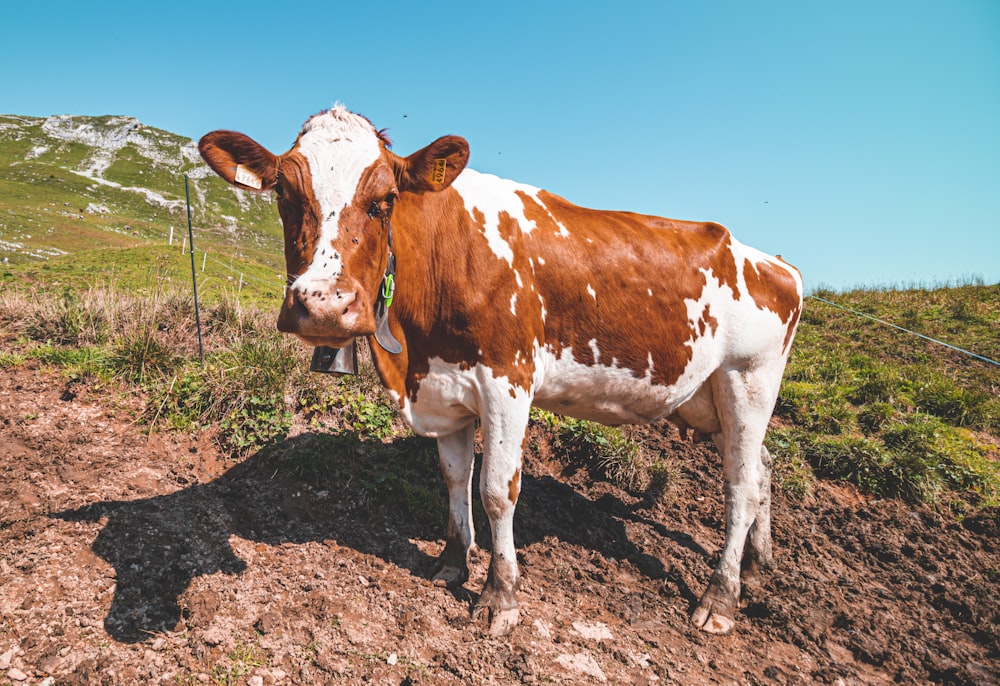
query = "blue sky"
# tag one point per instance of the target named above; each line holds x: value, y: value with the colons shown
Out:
x: 858, y: 139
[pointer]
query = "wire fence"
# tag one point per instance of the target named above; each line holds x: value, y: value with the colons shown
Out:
x: 909, y: 331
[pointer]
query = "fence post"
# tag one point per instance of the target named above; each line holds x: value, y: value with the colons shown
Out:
x: 194, y: 280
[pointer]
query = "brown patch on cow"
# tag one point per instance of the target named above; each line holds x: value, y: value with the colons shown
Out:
x: 624, y: 256
x: 300, y: 213
x: 514, y: 487
x: 772, y: 288
x: 707, y: 321
x: 724, y: 266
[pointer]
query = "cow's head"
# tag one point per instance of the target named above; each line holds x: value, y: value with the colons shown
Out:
x: 336, y: 190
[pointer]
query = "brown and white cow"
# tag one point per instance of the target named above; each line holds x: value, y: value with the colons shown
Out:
x: 507, y: 296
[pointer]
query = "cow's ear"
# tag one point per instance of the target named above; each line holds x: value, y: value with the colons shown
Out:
x: 433, y: 168
x: 239, y: 159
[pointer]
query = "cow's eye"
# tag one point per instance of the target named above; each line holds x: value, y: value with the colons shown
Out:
x: 382, y: 208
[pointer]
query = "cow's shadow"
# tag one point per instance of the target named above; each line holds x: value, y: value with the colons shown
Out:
x: 158, y: 545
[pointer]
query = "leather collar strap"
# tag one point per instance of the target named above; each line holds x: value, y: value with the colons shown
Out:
x: 383, y: 335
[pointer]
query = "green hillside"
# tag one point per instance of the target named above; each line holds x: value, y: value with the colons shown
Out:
x: 98, y: 197
x: 896, y: 414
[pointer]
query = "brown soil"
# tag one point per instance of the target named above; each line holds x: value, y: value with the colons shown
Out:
x: 132, y: 558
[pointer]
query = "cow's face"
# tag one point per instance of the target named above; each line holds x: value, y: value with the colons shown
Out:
x: 337, y: 189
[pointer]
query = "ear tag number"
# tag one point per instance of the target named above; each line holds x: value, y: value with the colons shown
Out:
x: 440, y: 167
x: 247, y: 177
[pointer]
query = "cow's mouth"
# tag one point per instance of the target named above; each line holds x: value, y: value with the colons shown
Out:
x: 328, y: 341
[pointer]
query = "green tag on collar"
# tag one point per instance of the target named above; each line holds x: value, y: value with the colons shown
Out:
x: 388, y: 289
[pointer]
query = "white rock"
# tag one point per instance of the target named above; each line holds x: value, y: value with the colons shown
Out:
x: 595, y: 632
x: 542, y: 629
x: 16, y: 674
x: 583, y: 663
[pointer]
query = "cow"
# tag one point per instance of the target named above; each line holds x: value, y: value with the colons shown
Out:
x: 482, y: 297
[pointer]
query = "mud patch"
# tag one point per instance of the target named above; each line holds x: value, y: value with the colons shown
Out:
x: 130, y: 558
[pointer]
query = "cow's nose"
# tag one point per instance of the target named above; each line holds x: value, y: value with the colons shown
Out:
x: 343, y: 301
x: 322, y: 304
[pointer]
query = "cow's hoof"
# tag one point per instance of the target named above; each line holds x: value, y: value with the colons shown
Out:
x: 500, y: 623
x: 712, y: 622
x: 450, y: 576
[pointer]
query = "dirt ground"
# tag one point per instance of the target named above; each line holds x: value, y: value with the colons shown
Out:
x: 129, y: 558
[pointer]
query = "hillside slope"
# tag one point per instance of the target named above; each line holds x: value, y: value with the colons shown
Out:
x: 71, y: 185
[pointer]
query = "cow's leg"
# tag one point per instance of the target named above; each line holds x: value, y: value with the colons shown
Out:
x: 744, y: 401
x: 757, y: 553
x: 500, y: 486
x: 456, y: 454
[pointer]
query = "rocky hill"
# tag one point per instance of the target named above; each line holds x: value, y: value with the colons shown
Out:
x: 73, y: 184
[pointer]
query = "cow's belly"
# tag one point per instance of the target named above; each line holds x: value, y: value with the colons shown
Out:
x: 450, y: 395
x: 610, y: 395
x: 447, y: 399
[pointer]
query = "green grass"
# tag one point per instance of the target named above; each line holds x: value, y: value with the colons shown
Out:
x: 610, y: 453
x: 893, y: 414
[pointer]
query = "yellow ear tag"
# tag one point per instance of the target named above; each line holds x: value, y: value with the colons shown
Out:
x: 440, y: 167
x: 247, y: 177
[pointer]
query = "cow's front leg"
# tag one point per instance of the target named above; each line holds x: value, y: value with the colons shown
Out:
x: 500, y: 486
x: 456, y: 453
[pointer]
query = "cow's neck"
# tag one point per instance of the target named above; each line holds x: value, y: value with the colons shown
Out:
x: 423, y: 230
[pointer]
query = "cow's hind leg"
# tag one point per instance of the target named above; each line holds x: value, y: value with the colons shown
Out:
x: 744, y: 400
x: 757, y: 553
x: 456, y: 452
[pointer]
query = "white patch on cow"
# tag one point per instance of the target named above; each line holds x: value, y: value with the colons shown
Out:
x: 650, y: 291
x: 595, y: 350
x: 541, y: 260
x: 593, y: 293
x: 517, y: 279
x: 541, y: 302
x: 493, y: 196
x: 339, y: 146
x: 760, y: 332
x: 650, y: 368
x: 607, y: 394
x: 451, y: 395
x: 447, y: 400
x: 513, y: 304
